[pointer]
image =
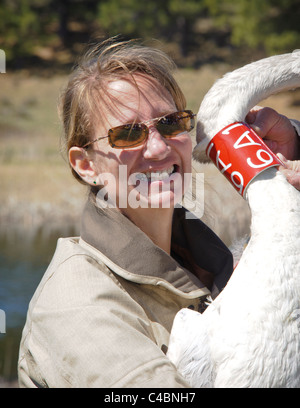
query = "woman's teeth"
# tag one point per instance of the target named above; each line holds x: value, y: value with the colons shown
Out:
x: 155, y: 176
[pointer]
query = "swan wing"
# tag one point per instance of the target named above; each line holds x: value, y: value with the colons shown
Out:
x: 189, y: 348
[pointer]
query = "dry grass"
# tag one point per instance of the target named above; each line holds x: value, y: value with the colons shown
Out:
x: 36, y: 187
x: 35, y: 183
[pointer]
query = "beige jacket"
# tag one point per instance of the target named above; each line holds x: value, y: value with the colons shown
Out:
x: 102, y: 314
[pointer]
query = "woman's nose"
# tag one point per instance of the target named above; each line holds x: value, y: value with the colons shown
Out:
x: 156, y: 146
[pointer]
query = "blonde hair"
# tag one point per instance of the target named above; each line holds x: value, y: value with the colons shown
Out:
x: 108, y: 60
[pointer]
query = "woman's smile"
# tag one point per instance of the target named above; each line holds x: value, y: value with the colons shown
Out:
x: 158, y: 175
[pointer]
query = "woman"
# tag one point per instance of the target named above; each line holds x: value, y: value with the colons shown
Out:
x: 102, y: 314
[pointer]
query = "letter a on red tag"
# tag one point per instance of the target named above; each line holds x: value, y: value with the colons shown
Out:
x: 240, y: 154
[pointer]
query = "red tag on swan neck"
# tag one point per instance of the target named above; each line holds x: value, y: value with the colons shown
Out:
x: 240, y: 154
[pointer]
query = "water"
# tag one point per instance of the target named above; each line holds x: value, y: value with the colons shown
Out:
x: 23, y: 261
x: 18, y: 281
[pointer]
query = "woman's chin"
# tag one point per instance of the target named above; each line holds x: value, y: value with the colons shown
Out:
x: 154, y: 199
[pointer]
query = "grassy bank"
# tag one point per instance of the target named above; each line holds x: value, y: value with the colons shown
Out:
x: 36, y: 187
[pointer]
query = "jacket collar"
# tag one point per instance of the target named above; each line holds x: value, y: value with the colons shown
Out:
x: 199, y: 258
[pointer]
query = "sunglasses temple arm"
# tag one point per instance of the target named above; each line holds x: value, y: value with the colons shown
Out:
x: 96, y: 140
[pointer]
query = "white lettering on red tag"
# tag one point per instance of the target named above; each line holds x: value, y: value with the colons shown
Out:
x: 240, y: 155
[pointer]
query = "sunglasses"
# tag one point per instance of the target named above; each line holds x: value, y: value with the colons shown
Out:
x: 132, y: 135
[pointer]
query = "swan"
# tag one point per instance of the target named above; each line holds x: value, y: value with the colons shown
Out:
x: 249, y: 335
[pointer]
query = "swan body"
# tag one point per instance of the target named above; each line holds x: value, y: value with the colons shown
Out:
x: 249, y: 336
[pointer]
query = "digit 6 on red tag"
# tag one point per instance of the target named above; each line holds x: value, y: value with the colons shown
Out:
x: 240, y: 154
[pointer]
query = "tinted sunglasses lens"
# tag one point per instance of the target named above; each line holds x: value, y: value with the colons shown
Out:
x: 134, y: 135
x: 176, y: 123
x: 127, y: 135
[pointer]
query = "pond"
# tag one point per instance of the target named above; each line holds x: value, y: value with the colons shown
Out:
x: 23, y: 260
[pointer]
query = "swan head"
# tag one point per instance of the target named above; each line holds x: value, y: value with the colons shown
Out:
x: 232, y: 96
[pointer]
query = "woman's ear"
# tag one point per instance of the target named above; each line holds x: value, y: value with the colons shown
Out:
x: 82, y: 164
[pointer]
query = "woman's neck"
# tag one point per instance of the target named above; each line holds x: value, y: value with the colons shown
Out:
x: 156, y: 223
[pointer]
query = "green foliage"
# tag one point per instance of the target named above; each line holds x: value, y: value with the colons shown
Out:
x: 270, y: 24
x: 18, y: 26
x: 27, y: 24
x: 153, y: 18
x: 130, y: 17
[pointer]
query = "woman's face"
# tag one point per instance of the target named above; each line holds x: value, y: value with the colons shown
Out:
x: 151, y: 175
